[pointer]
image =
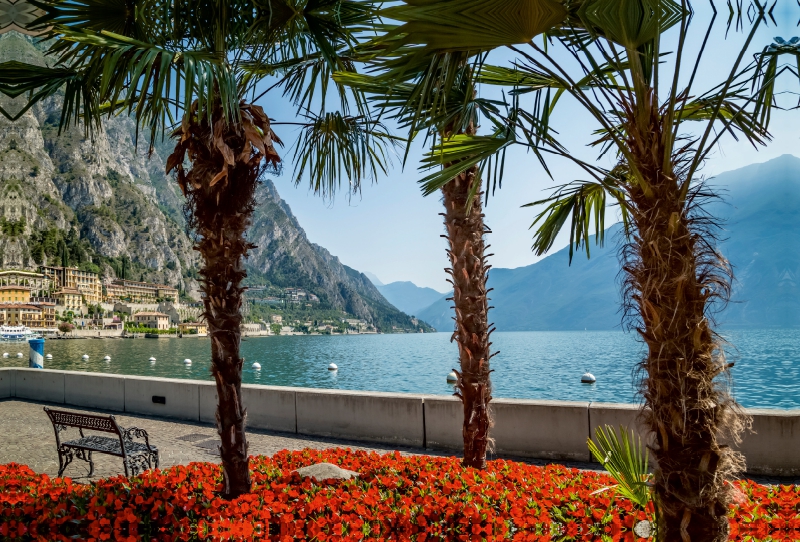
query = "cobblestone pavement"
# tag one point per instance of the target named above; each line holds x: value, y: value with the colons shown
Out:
x: 27, y: 437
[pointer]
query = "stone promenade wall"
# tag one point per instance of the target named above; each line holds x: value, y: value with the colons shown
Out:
x: 539, y: 429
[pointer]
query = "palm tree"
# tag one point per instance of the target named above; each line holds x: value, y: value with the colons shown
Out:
x: 674, y: 275
x: 436, y: 95
x: 197, y: 65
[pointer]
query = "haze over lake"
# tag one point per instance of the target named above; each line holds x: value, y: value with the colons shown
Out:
x: 531, y: 365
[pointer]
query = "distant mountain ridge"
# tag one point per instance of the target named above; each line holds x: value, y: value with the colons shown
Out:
x: 760, y: 237
x: 407, y: 296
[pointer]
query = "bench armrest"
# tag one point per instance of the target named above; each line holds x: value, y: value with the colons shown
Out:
x: 134, y: 432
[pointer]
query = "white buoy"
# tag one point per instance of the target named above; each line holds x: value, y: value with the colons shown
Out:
x: 151, y: 358
x: 187, y: 361
x: 83, y: 357
x: 107, y: 358
x: 49, y: 356
x: 588, y: 378
x: 256, y: 366
x: 19, y: 354
x: 333, y: 367
x: 5, y: 354
x: 452, y: 376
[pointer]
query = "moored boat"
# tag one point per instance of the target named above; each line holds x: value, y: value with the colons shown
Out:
x: 17, y: 333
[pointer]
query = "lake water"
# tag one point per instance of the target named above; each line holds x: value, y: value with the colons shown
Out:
x: 531, y: 365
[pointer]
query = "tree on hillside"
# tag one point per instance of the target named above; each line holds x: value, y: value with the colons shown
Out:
x: 194, y: 67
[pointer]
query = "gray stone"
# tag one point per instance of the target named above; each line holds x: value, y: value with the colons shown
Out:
x: 643, y: 529
x: 326, y: 471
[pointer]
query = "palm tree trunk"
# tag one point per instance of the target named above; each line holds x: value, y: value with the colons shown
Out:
x: 227, y: 161
x: 469, y: 272
x: 672, y: 273
x: 222, y: 223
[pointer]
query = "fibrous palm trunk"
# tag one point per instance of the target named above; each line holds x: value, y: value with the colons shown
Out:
x: 469, y: 272
x: 673, y: 272
x: 227, y: 160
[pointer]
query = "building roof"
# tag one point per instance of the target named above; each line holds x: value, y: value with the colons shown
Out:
x: 13, y: 287
x: 22, y: 272
x: 72, y: 291
x: 152, y: 314
x: 19, y: 306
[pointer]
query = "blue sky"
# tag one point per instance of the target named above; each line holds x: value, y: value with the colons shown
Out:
x: 394, y: 232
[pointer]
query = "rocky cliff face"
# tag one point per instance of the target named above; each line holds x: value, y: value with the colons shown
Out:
x: 104, y: 205
x: 101, y: 196
x: 285, y: 257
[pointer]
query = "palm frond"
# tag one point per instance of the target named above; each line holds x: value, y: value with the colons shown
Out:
x: 626, y: 460
x: 461, y: 25
x: 457, y: 154
x: 585, y: 203
x: 334, y: 149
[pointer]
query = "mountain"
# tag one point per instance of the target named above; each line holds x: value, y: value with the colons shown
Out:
x: 407, y: 296
x: 373, y: 278
x: 104, y: 206
x: 284, y: 257
x: 760, y: 205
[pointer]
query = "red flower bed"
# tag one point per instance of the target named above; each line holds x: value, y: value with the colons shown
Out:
x: 394, y: 498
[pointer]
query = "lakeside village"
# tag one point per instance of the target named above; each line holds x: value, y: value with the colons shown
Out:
x: 70, y: 302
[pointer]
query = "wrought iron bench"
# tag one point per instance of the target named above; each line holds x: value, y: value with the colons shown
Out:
x: 135, y: 456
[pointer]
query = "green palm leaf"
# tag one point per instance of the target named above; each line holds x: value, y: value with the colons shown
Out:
x: 452, y: 25
x: 334, y: 149
x: 626, y: 460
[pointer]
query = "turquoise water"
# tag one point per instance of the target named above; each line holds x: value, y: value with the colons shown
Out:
x: 531, y: 365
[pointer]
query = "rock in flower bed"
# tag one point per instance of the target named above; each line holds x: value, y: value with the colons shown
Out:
x: 394, y: 497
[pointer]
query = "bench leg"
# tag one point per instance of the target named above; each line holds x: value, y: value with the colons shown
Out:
x: 91, y: 464
x: 64, y: 459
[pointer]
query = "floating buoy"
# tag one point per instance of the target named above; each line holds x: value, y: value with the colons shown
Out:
x: 107, y: 358
x: 187, y: 361
x: 256, y: 366
x: 452, y: 376
x: 5, y: 354
x: 332, y: 367
x: 83, y: 357
x: 19, y: 354
x: 151, y: 358
x: 588, y: 378
x: 49, y: 356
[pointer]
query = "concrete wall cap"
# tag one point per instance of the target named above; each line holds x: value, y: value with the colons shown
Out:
x: 355, y: 393
x: 170, y: 380
x: 794, y: 413
x: 540, y: 402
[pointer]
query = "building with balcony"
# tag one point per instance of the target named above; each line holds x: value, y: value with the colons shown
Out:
x: 39, y: 283
x: 138, y: 292
x: 32, y: 316
x: 86, y: 282
x: 70, y: 298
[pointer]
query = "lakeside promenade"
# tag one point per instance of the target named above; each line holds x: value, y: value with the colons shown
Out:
x: 30, y: 441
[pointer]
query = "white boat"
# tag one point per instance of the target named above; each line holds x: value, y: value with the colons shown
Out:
x: 17, y: 333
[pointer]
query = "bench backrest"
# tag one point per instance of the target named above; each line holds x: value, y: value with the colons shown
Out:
x: 106, y: 424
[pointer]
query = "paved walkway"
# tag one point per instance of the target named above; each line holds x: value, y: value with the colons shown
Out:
x: 26, y: 437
